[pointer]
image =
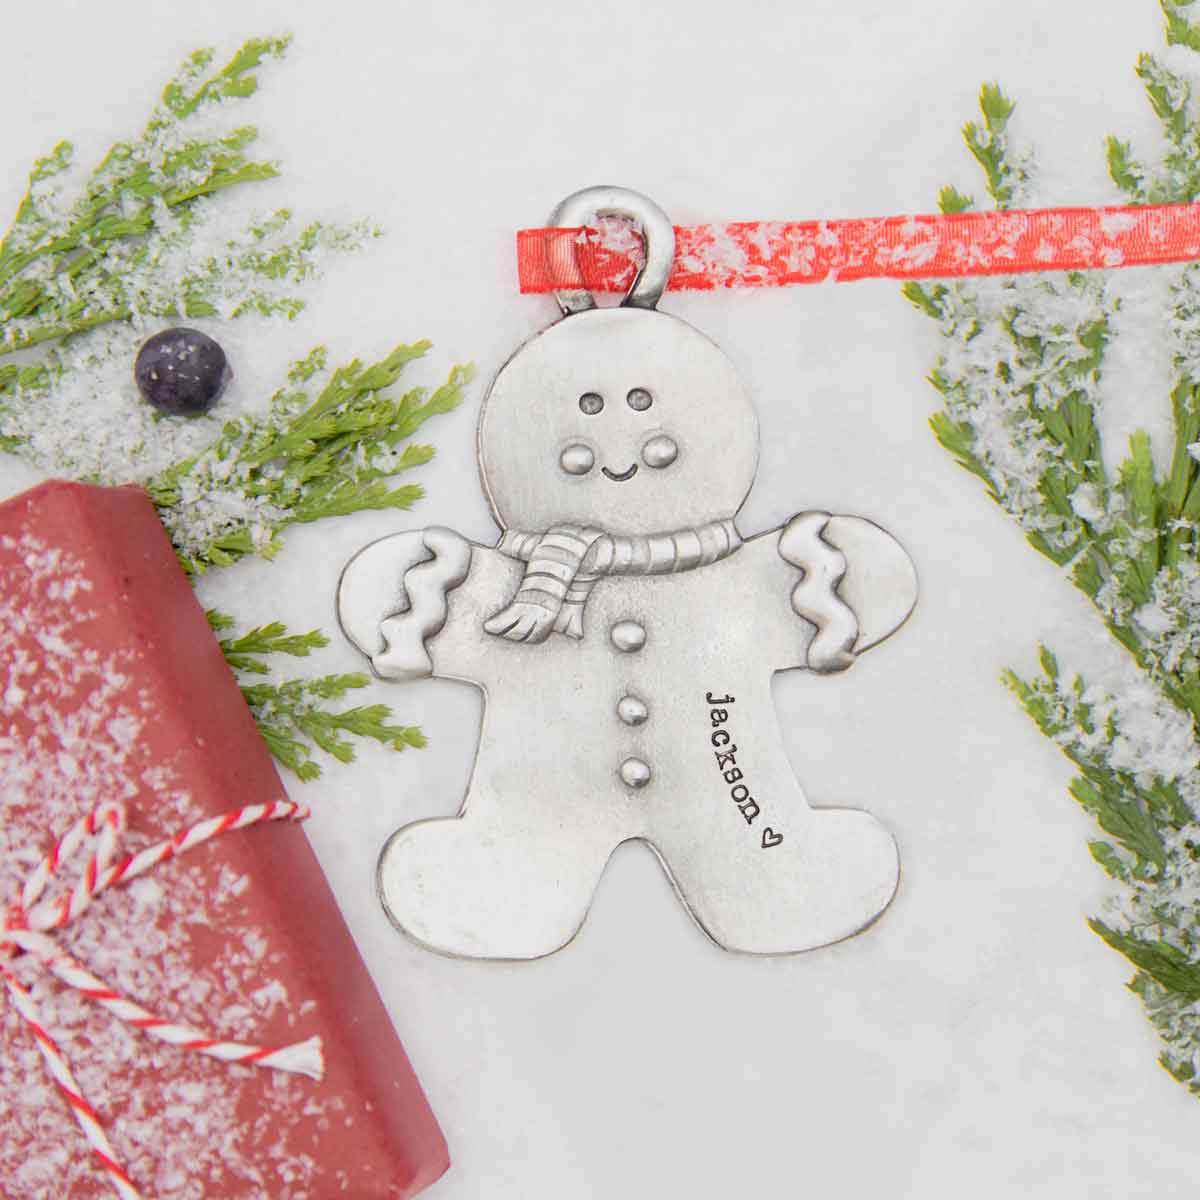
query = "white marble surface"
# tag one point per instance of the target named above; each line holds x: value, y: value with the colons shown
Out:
x: 977, y: 1041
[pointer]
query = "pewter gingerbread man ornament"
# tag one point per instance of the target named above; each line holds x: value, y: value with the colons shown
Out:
x: 625, y: 633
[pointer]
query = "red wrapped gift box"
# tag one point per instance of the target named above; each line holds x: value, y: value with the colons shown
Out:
x: 112, y: 688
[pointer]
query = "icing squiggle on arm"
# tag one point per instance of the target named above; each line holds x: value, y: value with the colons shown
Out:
x: 426, y: 585
x: 815, y: 597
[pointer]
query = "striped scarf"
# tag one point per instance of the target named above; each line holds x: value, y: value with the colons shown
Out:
x: 565, y: 563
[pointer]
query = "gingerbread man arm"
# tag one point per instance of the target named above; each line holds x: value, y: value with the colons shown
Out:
x: 394, y: 598
x: 857, y: 585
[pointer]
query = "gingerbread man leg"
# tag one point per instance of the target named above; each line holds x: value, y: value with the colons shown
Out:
x: 493, y: 883
x: 829, y: 875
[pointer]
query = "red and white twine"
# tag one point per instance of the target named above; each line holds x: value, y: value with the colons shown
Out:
x: 26, y: 930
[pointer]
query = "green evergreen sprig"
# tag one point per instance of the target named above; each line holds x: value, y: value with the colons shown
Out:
x: 295, y: 716
x: 989, y: 144
x: 1134, y: 808
x: 1019, y: 378
x: 88, y: 265
x: 119, y: 250
x: 1172, y: 96
x: 245, y: 652
x: 309, y: 458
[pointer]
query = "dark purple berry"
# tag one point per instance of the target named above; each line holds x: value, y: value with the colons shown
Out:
x: 181, y: 371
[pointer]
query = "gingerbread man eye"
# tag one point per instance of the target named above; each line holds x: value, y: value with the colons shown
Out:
x: 591, y: 403
x: 639, y: 399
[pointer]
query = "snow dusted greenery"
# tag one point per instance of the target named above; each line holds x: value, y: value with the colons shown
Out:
x: 92, y: 266
x: 1020, y: 379
x: 291, y: 715
x: 307, y: 459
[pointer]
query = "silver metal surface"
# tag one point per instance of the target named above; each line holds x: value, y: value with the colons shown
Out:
x: 658, y: 235
x: 625, y: 637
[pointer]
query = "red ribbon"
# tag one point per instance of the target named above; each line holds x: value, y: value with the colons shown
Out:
x: 950, y: 245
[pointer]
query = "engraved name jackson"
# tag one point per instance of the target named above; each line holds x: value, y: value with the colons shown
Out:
x: 725, y: 750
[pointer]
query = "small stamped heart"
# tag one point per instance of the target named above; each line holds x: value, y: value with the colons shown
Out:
x: 770, y: 838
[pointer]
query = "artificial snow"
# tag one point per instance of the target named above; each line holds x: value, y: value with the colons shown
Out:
x: 189, y: 1125
x: 979, y: 1032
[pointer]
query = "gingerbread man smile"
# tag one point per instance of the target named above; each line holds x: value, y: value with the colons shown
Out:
x: 624, y: 475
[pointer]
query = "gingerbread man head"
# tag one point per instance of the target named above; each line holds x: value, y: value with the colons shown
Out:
x: 627, y: 420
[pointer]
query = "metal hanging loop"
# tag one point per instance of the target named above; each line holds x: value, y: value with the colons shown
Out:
x: 654, y: 226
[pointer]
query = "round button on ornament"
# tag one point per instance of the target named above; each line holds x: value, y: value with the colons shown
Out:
x: 628, y: 636
x: 635, y: 773
x: 631, y: 710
